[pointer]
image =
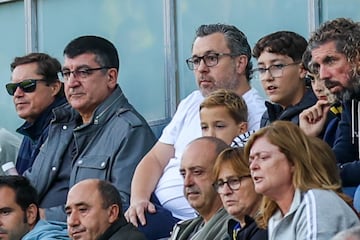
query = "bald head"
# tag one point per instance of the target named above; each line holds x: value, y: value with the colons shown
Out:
x: 196, y: 168
x: 206, y: 145
x: 92, y: 206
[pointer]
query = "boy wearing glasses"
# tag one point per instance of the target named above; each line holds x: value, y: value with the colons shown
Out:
x: 36, y: 91
x: 282, y: 76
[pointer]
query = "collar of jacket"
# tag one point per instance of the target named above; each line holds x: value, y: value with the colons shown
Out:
x: 116, y: 103
x: 276, y: 112
x: 113, y: 228
x: 35, y: 129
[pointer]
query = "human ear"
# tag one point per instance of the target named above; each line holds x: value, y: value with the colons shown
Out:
x: 241, y: 63
x: 242, y: 127
x: 112, y: 75
x: 55, y: 88
x: 113, y: 213
x: 31, y: 214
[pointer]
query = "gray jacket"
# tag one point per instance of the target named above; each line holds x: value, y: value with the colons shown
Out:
x: 109, y: 148
x: 196, y: 229
x: 315, y: 214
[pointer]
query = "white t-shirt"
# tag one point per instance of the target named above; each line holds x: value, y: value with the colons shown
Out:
x: 183, y: 128
x: 256, y: 108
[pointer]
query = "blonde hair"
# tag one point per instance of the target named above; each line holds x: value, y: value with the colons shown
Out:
x: 235, y: 157
x: 313, y: 160
x: 234, y: 103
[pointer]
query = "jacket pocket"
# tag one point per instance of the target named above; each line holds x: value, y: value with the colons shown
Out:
x: 96, y: 166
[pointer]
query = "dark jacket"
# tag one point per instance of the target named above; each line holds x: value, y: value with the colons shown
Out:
x: 35, y: 135
x: 249, y: 232
x: 109, y: 148
x: 331, y: 132
x: 346, y: 147
x: 122, y: 230
x: 291, y: 113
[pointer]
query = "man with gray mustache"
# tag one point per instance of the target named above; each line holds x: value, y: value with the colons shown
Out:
x: 197, y: 170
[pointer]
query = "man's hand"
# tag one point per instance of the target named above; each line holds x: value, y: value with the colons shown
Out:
x: 137, y: 211
x: 312, y: 120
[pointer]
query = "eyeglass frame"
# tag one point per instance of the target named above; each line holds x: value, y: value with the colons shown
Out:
x: 12, y: 87
x: 81, y: 72
x: 217, y: 187
x: 192, y: 66
x: 279, y: 67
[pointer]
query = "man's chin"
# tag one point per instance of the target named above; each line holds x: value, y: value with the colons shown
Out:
x: 205, y: 91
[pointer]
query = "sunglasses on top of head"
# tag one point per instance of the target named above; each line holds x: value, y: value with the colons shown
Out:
x: 27, y: 86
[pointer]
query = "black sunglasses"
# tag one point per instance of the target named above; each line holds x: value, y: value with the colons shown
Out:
x: 27, y: 86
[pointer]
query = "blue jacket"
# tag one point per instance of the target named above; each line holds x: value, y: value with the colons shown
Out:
x: 346, y: 151
x: 45, y: 230
x: 35, y: 135
x: 331, y: 132
x: 291, y: 113
x: 109, y: 148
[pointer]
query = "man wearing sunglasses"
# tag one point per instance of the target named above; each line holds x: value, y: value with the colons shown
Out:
x: 36, y: 91
x: 97, y: 135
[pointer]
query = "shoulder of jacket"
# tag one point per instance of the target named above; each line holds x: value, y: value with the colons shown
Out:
x: 128, y: 115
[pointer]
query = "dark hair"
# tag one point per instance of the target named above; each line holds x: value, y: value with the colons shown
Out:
x: 105, y: 51
x: 110, y: 195
x: 48, y: 67
x: 25, y: 193
x: 306, y: 60
x: 236, y: 41
x: 282, y: 42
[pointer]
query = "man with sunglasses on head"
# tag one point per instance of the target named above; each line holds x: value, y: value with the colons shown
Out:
x: 98, y: 134
x: 221, y: 59
x: 36, y: 91
x: 282, y: 76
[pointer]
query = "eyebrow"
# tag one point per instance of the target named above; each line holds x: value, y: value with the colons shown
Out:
x: 206, y: 53
x: 6, y: 209
x: 78, y: 67
x: 273, y: 61
x: 78, y: 205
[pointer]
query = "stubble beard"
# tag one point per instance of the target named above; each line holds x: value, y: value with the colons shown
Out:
x: 351, y: 92
x: 232, y: 85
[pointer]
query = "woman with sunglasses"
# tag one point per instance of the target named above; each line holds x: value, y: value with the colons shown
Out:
x: 237, y: 193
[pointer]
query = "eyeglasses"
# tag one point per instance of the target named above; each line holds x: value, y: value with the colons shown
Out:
x: 233, y: 183
x: 210, y: 60
x: 27, y: 86
x: 79, y: 73
x: 275, y: 70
